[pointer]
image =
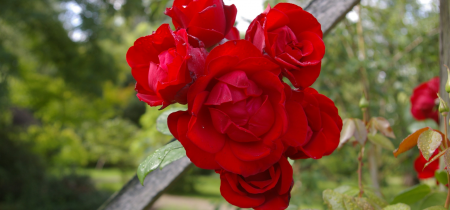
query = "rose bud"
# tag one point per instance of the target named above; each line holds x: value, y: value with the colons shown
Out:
x: 293, y: 38
x: 268, y: 190
x: 205, y: 20
x: 313, y: 131
x: 423, y: 101
x: 235, y: 113
x: 164, y: 65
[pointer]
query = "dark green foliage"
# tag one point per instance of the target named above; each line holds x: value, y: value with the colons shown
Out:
x: 24, y: 183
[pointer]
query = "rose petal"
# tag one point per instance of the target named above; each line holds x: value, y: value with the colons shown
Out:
x: 263, y: 119
x: 199, y: 157
x: 249, y: 151
x: 235, y: 78
x: 203, y: 134
x: 237, y: 199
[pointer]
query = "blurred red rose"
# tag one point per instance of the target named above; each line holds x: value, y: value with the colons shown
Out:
x: 428, y: 172
x: 268, y: 190
x: 292, y: 37
x: 423, y: 100
x: 205, y: 20
x: 236, y: 112
x: 163, y: 65
x: 320, y: 136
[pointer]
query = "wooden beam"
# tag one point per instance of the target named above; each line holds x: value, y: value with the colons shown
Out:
x: 134, y: 196
x: 444, y: 50
x: 330, y: 12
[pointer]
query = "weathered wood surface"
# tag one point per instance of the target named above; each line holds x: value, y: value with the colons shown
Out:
x: 444, y: 49
x: 330, y: 12
x: 134, y: 196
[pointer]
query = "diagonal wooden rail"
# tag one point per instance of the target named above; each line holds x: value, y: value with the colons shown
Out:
x: 134, y: 196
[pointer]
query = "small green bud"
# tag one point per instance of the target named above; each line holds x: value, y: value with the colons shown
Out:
x: 363, y: 103
x: 443, y: 107
x: 447, y: 84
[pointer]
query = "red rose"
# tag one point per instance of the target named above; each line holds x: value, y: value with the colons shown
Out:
x: 292, y: 37
x: 423, y: 100
x: 313, y: 131
x: 206, y: 20
x: 163, y: 64
x: 428, y: 172
x: 236, y: 112
x: 268, y: 190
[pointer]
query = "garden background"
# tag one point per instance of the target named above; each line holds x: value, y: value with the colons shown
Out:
x: 72, y: 131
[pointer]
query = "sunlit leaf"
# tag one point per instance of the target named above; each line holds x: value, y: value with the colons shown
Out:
x: 334, y: 200
x: 412, y: 195
x: 428, y: 142
x: 382, y: 141
x: 160, y: 158
x: 355, y: 203
x: 374, y: 199
x: 433, y: 200
x: 435, y: 158
x: 360, y: 131
x: 348, y: 129
x: 409, y: 142
x: 441, y: 176
x: 383, y: 126
x: 398, y: 206
x: 347, y: 190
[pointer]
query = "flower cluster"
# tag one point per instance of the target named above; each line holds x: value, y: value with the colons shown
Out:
x: 424, y: 105
x: 243, y: 120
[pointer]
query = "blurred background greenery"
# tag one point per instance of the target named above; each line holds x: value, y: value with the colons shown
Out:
x: 72, y: 131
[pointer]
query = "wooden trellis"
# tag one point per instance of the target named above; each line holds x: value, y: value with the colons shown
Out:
x: 134, y: 196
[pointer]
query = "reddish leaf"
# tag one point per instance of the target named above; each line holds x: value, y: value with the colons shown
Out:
x: 409, y: 142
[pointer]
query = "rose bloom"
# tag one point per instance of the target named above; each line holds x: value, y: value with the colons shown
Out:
x: 268, y: 190
x: 424, y: 100
x: 163, y: 65
x: 235, y: 113
x: 314, y: 124
x: 205, y: 20
x: 428, y: 172
x: 292, y: 37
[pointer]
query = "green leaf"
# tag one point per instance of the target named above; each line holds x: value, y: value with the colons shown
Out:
x: 347, y: 190
x: 360, y: 131
x: 412, y: 195
x: 348, y: 129
x: 382, y: 141
x: 441, y: 176
x: 434, y: 199
x: 436, y: 157
x: 355, y: 203
x: 161, y: 121
x: 374, y: 199
x: 383, y: 126
x: 428, y: 142
x: 291, y: 161
x: 160, y: 158
x: 398, y: 206
x: 436, y: 208
x: 333, y: 200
